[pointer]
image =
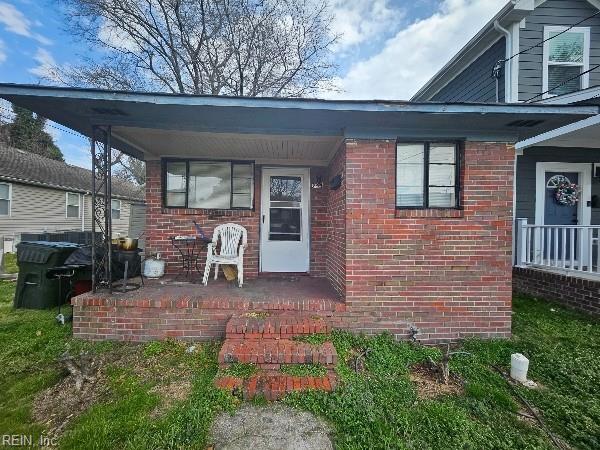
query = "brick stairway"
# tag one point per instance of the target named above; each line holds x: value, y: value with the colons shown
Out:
x: 268, y: 344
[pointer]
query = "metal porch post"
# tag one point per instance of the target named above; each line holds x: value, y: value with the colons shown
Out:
x: 101, y: 208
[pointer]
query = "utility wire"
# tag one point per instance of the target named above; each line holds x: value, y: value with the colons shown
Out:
x: 64, y: 130
x: 539, y: 44
x: 498, y: 65
x: 563, y: 83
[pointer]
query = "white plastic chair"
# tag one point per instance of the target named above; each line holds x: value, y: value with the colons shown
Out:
x: 231, y: 251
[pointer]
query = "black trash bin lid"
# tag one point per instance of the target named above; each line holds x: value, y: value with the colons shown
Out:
x: 40, y: 251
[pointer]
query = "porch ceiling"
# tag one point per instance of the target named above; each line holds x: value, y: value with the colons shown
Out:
x: 261, y: 148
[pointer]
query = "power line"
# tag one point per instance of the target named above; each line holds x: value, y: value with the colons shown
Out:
x: 64, y: 130
x: 563, y: 83
x: 539, y: 44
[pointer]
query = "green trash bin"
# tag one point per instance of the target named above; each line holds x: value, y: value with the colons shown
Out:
x: 34, y: 289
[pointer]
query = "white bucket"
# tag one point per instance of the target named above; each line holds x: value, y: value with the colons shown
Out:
x: 154, y: 268
x: 519, y: 365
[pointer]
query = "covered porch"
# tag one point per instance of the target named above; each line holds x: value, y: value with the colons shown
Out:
x: 557, y: 239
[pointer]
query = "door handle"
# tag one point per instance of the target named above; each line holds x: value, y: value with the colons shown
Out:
x: 263, y: 218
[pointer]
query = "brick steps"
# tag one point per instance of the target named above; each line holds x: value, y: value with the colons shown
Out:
x: 274, y: 385
x: 266, y: 342
x: 282, y: 326
x: 270, y: 354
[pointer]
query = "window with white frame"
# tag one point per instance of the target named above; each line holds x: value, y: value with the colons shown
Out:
x: 115, y: 209
x: 5, y: 199
x: 73, y: 205
x: 566, y: 57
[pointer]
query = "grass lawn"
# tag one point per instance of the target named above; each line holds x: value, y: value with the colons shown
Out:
x: 160, y: 396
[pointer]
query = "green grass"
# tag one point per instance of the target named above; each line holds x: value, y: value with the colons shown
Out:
x: 376, y: 408
x: 379, y: 408
x: 304, y: 370
x: 313, y: 339
x: 9, y: 263
x: 31, y: 341
x: 240, y: 370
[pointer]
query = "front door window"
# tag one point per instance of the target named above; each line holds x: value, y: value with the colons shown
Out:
x: 285, y: 210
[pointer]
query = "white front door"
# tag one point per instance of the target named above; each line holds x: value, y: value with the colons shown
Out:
x: 284, y: 229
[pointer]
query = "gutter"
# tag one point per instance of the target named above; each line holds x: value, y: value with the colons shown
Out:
x: 508, y: 66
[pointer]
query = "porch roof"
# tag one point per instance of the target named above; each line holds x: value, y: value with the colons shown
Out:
x: 154, y: 125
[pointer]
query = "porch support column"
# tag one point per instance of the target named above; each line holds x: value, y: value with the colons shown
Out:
x: 101, y: 208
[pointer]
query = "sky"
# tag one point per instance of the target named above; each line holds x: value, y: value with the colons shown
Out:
x: 387, y: 48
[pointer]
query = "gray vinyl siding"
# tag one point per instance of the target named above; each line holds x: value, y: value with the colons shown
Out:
x: 525, y: 207
x: 37, y: 209
x: 560, y: 13
x: 137, y: 221
x: 475, y: 83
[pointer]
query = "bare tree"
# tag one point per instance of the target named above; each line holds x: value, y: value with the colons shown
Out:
x: 224, y: 47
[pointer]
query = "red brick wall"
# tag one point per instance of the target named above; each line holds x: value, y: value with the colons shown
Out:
x: 165, y: 222
x: 161, y: 223
x: 447, y: 272
x: 336, y: 211
x: 319, y: 225
x: 574, y: 292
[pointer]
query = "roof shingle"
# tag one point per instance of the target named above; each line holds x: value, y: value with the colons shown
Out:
x: 29, y: 168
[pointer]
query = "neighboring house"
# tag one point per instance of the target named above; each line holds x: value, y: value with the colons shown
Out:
x: 557, y: 239
x: 39, y: 194
x: 399, y: 212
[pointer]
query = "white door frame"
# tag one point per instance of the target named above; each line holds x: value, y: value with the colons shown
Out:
x: 305, y: 219
x: 584, y: 213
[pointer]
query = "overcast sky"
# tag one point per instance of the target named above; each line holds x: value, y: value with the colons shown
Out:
x: 388, y: 48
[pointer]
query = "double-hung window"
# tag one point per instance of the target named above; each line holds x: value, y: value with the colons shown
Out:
x: 115, y: 209
x: 73, y: 205
x: 566, y: 58
x: 427, y: 175
x: 5, y: 199
x: 209, y: 184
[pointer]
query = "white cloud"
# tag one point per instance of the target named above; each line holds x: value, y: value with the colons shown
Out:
x: 411, y: 57
x: 357, y: 21
x: 2, y: 52
x: 46, y: 64
x: 15, y: 22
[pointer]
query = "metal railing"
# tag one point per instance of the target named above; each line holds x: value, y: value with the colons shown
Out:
x: 569, y: 248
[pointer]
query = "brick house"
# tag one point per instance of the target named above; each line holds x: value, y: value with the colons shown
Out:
x: 379, y: 215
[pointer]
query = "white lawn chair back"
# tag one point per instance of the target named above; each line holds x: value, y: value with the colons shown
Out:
x: 234, y: 239
x: 230, y: 234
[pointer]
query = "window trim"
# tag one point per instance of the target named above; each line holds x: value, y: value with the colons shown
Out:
x: 67, y: 205
x: 10, y: 199
x: 119, y: 208
x: 458, y: 152
x: 165, y: 161
x: 585, y: 65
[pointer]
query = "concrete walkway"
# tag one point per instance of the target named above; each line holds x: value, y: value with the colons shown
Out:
x: 272, y: 427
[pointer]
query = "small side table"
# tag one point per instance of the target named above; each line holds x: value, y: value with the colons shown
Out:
x: 189, y: 250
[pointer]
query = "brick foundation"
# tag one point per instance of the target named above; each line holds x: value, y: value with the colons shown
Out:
x: 577, y: 293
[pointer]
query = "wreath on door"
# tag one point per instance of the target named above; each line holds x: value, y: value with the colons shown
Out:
x: 566, y: 193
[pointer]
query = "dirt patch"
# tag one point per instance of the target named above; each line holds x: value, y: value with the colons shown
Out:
x: 56, y: 407
x: 170, y: 394
x: 428, y: 384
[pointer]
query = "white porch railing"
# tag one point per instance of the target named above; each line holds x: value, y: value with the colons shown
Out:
x: 569, y: 248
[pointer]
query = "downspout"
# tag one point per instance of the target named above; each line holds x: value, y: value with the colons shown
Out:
x: 508, y: 64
